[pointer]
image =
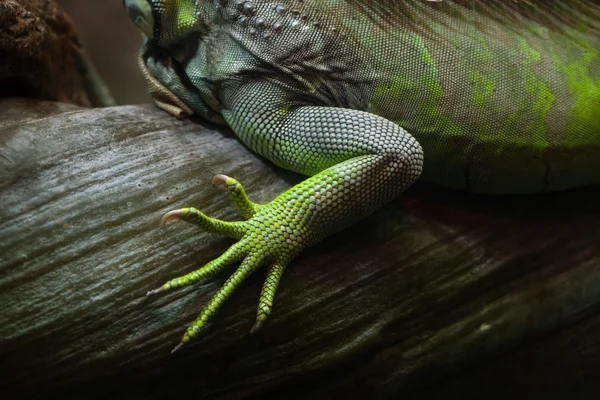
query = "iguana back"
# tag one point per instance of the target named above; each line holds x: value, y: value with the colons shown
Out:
x: 501, y: 95
x: 502, y: 98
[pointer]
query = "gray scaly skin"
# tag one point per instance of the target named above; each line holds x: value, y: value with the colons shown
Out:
x: 498, y: 98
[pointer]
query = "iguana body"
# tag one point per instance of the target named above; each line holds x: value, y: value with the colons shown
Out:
x: 363, y: 96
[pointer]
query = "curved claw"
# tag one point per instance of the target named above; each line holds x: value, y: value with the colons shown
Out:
x: 170, y: 216
x: 242, y: 203
x: 257, y: 326
x: 155, y: 291
x: 177, y: 347
x: 220, y: 179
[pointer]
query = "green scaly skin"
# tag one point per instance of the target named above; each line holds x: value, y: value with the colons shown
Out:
x: 367, y: 96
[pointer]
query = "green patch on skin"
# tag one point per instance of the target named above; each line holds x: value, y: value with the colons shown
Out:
x: 581, y: 26
x: 177, y: 17
x: 357, y: 30
x: 413, y: 99
x: 186, y: 14
x: 316, y: 84
x: 429, y: 118
x: 539, y: 30
x: 525, y: 123
x: 483, y: 88
x: 541, y: 97
x: 486, y: 129
x: 425, y: 54
x: 522, y: 137
x: 585, y: 90
x: 477, y: 56
x: 284, y: 109
x: 251, y: 127
x: 509, y: 134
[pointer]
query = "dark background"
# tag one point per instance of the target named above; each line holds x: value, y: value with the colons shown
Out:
x: 112, y: 42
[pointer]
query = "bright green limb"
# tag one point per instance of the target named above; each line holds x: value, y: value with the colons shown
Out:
x: 248, y: 266
x: 268, y: 294
x: 234, y: 254
x: 234, y: 230
x: 244, y: 206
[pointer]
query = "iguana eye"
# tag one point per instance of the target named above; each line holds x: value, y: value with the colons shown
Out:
x: 140, y: 13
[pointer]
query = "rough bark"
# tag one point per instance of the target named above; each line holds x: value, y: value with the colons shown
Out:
x: 41, y: 56
x: 439, y: 294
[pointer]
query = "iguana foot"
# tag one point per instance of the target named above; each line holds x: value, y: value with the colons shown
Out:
x: 267, y: 237
x: 162, y: 96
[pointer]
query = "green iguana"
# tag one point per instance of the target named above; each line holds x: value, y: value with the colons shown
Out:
x: 365, y: 97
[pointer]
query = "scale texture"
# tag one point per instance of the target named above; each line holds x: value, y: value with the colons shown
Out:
x: 366, y: 97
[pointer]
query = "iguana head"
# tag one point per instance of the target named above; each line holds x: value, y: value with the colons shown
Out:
x: 167, y: 21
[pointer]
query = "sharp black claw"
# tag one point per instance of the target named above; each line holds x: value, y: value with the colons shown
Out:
x: 176, y: 347
x: 155, y: 291
x: 257, y: 326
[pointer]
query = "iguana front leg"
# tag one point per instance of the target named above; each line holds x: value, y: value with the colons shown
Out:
x: 357, y: 162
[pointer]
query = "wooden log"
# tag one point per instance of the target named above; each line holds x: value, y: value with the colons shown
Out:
x: 434, y: 286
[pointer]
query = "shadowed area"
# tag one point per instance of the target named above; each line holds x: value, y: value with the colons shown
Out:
x: 41, y: 56
x: 112, y: 42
